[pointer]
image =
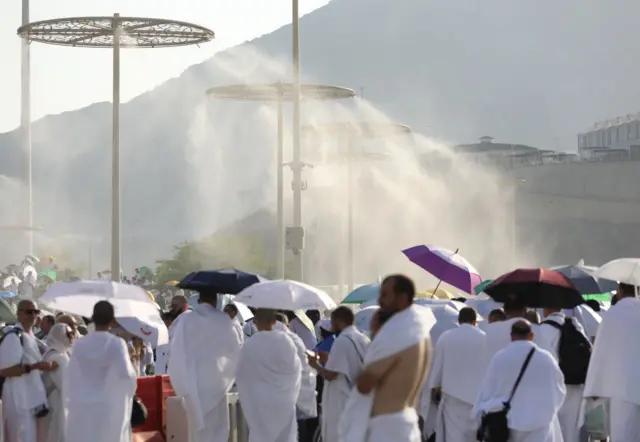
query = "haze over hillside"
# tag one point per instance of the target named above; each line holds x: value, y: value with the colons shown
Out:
x: 534, y: 73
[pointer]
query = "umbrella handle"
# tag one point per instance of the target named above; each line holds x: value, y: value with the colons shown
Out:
x: 440, y: 280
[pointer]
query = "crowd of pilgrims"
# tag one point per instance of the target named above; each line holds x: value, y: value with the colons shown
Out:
x: 300, y: 375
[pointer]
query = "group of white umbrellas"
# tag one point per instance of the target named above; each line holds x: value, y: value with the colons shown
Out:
x: 137, y: 313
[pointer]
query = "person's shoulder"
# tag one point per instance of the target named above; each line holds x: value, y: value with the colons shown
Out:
x: 545, y: 355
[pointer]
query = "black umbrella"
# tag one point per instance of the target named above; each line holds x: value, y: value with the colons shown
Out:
x: 228, y: 281
x: 535, y: 288
x: 583, y: 279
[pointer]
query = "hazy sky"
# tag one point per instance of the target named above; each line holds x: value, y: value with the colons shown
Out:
x: 68, y: 78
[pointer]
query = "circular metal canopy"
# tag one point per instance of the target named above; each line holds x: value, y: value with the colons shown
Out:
x: 356, y: 130
x: 279, y: 91
x: 99, y: 32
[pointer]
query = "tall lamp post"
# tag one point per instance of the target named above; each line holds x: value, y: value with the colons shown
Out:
x: 25, y: 124
x: 352, y: 133
x: 115, y: 32
x: 296, y: 163
x: 279, y: 93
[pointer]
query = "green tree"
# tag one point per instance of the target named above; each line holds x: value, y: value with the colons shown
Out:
x: 245, y: 252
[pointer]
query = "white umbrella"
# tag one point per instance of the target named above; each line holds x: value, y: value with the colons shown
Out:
x: 285, y: 295
x: 363, y: 318
x: 625, y: 270
x: 79, y: 298
x: 446, y: 319
x: 483, y: 306
x: 150, y: 329
x: 456, y: 305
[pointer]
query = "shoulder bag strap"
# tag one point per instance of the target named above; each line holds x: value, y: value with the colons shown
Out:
x: 350, y: 383
x: 356, y: 347
x: 522, y: 370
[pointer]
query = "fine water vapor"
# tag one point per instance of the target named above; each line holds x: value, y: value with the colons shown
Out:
x: 210, y: 163
x: 407, y: 189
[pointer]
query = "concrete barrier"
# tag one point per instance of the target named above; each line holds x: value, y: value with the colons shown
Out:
x: 177, y: 429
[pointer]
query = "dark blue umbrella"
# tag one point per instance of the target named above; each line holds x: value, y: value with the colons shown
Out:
x: 229, y: 281
x: 583, y: 279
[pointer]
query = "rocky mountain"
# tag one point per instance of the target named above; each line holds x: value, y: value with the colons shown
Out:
x: 534, y: 73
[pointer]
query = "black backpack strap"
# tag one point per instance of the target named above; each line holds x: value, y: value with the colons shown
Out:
x: 15, y: 331
x: 553, y: 324
x: 522, y: 370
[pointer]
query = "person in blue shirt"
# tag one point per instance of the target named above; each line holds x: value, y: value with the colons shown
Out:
x: 327, y: 337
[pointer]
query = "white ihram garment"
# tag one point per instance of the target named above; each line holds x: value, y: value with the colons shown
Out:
x: 202, y: 363
x: 306, y: 402
x: 613, y: 371
x: 162, y: 352
x: 548, y: 338
x: 345, y: 358
x: 534, y: 407
x: 454, y: 370
x: 307, y: 335
x: 51, y: 428
x: 499, y: 336
x: 99, y: 386
x: 20, y: 395
x: 268, y: 381
x: 402, y: 331
x: 237, y: 326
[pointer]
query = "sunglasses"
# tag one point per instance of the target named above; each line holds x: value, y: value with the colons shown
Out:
x: 30, y: 311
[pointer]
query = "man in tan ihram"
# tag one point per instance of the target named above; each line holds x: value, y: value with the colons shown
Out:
x: 382, y: 407
x: 454, y: 378
x: 268, y: 380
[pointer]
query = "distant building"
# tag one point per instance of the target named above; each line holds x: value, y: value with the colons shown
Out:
x: 507, y: 155
x: 615, y: 139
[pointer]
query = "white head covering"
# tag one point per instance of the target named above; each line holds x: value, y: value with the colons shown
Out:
x: 279, y: 326
x: 58, y: 338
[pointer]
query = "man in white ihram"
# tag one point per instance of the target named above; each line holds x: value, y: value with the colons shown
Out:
x: 23, y: 393
x: 548, y: 338
x: 307, y: 404
x: 533, y: 412
x: 341, y: 370
x: 202, y: 363
x: 382, y: 407
x: 613, y: 371
x: 268, y: 380
x: 100, y: 384
x: 454, y: 378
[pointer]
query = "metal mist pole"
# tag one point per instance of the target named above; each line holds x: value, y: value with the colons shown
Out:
x: 296, y: 162
x: 280, y: 255
x: 25, y: 123
x: 115, y: 151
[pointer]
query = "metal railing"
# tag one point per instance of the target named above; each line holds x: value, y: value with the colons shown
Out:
x: 238, y: 428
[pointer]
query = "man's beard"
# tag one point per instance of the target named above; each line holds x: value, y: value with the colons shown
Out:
x: 385, y: 315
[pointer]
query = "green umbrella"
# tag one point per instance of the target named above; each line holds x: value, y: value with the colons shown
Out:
x: 48, y: 273
x: 600, y: 297
x: 480, y: 287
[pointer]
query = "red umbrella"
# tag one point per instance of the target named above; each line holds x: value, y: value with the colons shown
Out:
x: 535, y: 288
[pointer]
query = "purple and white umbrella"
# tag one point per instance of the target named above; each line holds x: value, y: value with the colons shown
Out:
x: 445, y: 265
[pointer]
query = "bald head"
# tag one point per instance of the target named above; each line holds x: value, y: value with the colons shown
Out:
x: 27, y: 313
x: 521, y: 331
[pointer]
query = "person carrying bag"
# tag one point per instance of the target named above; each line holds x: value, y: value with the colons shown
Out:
x: 494, y: 425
